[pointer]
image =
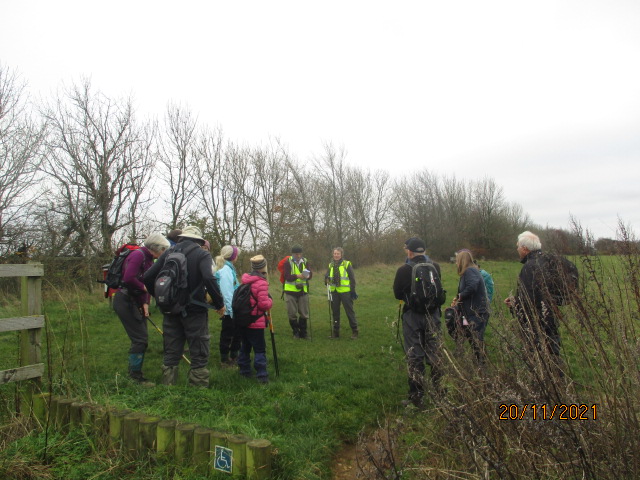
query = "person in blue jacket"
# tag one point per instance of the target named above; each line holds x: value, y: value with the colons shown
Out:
x: 472, y: 303
x: 228, y: 282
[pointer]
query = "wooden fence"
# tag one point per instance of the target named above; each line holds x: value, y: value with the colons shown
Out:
x: 29, y: 325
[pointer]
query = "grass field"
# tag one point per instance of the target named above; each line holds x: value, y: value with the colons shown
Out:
x: 329, y: 391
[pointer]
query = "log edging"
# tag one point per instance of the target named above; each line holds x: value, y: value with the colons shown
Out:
x: 136, y: 434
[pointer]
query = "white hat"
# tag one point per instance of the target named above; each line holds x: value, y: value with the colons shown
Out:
x: 192, y: 232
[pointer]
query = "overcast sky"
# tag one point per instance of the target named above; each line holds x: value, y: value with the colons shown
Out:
x: 543, y: 97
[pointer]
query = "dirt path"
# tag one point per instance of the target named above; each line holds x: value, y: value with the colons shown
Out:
x: 356, y: 461
x: 345, y: 465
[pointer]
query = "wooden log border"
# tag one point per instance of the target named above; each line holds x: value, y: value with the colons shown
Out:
x: 137, y: 435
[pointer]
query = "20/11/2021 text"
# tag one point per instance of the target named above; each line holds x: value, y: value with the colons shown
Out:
x: 570, y: 411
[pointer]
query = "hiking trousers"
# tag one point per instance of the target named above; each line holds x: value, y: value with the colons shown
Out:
x: 253, y: 339
x: 298, y: 313
x: 422, y: 345
x: 229, y: 338
x: 192, y: 329
x: 133, y: 322
x: 347, y: 302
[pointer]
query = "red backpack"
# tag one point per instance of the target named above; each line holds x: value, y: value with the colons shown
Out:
x: 281, y: 267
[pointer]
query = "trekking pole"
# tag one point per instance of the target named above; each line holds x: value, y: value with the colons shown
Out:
x: 329, y: 301
x: 273, y: 342
x: 398, y: 322
x: 162, y: 333
x: 309, y: 335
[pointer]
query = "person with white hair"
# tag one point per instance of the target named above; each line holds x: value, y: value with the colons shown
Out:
x: 532, y: 305
x: 131, y: 301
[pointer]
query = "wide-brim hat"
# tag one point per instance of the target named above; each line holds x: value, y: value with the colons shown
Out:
x: 192, y: 232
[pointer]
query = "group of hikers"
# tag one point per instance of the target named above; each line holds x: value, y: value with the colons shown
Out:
x: 178, y: 270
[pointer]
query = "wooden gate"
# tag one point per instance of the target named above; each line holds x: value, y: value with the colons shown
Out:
x: 29, y: 325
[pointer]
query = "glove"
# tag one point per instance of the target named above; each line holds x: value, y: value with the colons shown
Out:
x: 354, y: 295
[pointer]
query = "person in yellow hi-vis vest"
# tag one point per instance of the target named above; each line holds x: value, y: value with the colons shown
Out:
x: 342, y: 284
x: 296, y: 288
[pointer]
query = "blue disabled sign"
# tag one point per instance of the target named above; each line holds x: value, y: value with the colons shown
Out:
x: 223, y: 459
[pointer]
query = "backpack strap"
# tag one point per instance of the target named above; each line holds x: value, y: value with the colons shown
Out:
x: 191, y: 301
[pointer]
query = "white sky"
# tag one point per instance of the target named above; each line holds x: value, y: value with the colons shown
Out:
x: 542, y: 96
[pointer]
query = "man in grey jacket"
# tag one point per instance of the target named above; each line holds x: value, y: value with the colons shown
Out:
x: 192, y: 325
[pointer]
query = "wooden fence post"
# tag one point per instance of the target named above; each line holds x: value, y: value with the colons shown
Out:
x: 238, y: 444
x: 258, y: 459
x: 184, y: 441
x: 148, y: 434
x: 201, y: 449
x: 166, y: 442
x: 31, y: 339
x: 116, y: 419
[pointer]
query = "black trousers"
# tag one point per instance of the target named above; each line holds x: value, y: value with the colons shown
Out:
x: 229, y: 337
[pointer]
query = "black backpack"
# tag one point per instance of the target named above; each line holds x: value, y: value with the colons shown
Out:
x: 113, y: 279
x: 427, y: 293
x: 561, y: 278
x: 241, y: 306
x: 171, y: 287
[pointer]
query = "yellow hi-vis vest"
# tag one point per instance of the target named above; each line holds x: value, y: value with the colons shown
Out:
x: 345, y: 285
x: 300, y: 284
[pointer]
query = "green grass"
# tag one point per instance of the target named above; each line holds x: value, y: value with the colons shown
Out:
x: 329, y: 391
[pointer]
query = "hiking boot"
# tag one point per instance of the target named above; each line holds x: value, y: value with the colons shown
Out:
x: 169, y: 375
x: 334, y: 335
x: 138, y: 378
x: 199, y: 377
x: 354, y: 335
x: 263, y: 380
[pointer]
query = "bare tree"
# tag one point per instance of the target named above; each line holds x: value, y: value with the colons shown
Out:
x: 368, y: 206
x: 20, y: 142
x: 99, y: 160
x: 177, y: 161
x: 332, y: 173
x: 223, y: 177
x: 268, y: 214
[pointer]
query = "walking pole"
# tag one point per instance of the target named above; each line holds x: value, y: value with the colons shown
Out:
x: 398, y: 323
x: 329, y: 299
x: 309, y: 319
x: 162, y: 333
x: 273, y: 342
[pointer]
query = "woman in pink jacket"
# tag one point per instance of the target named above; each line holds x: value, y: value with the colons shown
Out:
x: 252, y: 337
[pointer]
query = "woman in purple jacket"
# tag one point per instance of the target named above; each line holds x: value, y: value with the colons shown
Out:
x: 252, y: 337
x: 131, y: 301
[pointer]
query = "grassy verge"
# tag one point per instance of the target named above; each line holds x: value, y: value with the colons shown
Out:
x: 330, y: 391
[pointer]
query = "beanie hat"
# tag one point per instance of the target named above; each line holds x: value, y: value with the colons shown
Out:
x: 416, y: 245
x: 296, y: 249
x: 259, y: 263
x: 229, y: 252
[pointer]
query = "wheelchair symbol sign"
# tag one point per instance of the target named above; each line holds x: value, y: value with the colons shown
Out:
x: 223, y: 459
